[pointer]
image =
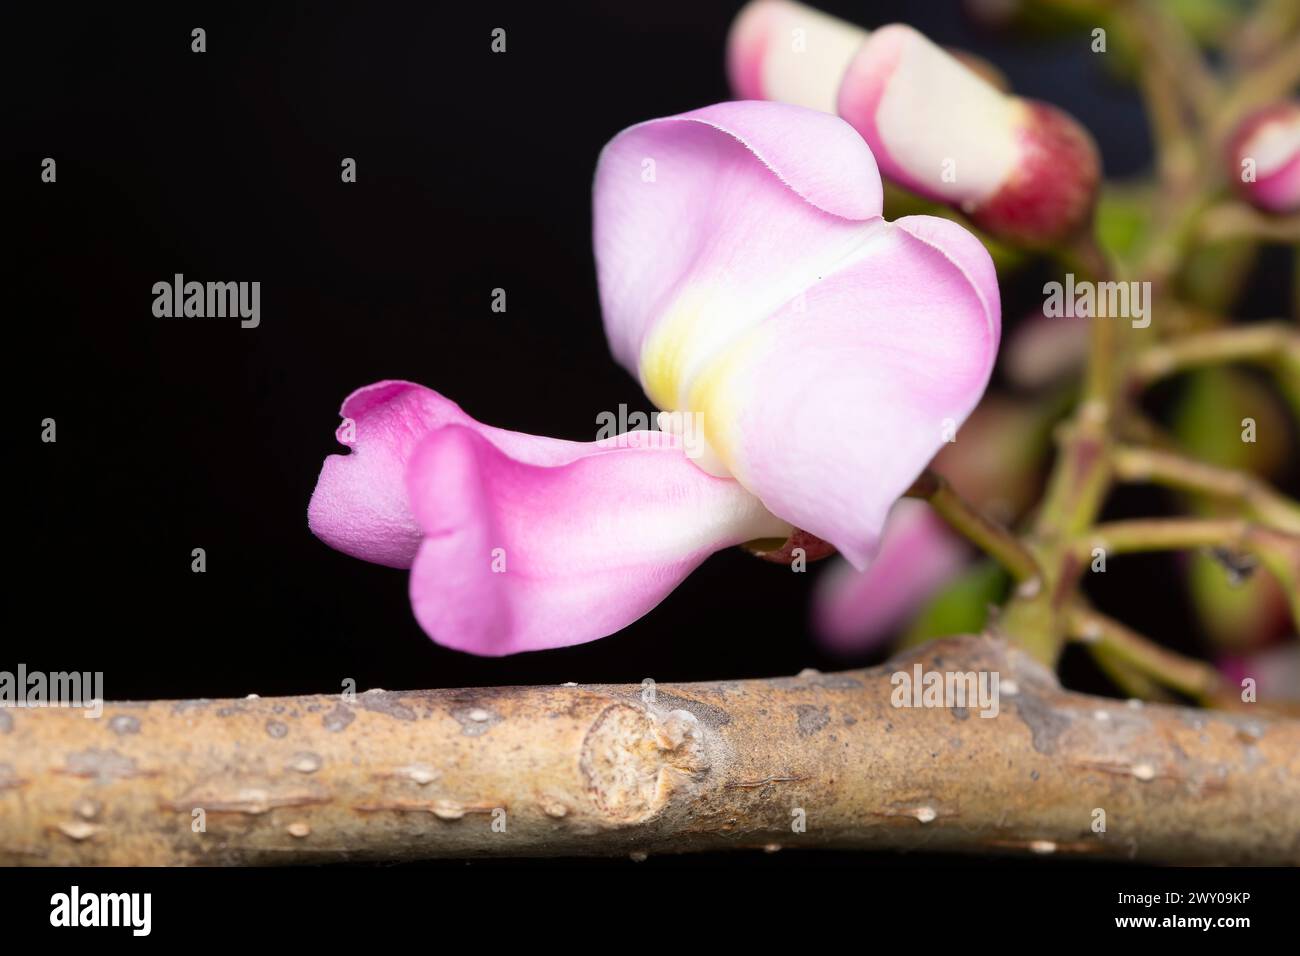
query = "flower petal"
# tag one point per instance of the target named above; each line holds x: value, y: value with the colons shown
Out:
x: 519, y: 556
x: 854, y: 610
x: 791, y: 53
x: 830, y: 408
x: 359, y: 506
x: 707, y: 221
x: 827, y: 352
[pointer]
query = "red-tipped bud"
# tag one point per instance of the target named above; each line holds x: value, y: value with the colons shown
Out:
x: 1022, y: 170
x: 1050, y: 194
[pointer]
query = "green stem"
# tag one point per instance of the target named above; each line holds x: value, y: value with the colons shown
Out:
x: 968, y: 521
x: 1174, y: 471
x: 1194, y: 678
x: 1163, y: 534
x: 1133, y: 682
x: 1176, y: 55
x: 1259, y: 342
x: 1272, y: 80
x: 1231, y: 219
x: 1189, y: 109
x: 1278, y: 551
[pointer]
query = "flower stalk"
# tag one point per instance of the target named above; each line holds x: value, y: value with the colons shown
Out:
x: 1263, y: 342
x: 971, y: 523
x: 1252, y: 495
x: 1105, y: 635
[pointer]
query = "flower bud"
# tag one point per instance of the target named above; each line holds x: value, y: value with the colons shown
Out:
x: 787, y: 52
x: 1022, y: 170
x: 1264, y: 157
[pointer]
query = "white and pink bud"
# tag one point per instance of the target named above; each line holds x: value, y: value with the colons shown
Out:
x: 1022, y: 170
x: 1264, y: 157
x: 784, y: 51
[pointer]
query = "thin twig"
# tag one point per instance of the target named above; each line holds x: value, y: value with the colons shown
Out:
x: 1134, y: 684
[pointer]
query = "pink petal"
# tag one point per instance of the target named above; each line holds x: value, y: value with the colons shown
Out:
x: 854, y: 610
x: 360, y: 505
x: 1279, y: 191
x: 830, y: 408
x: 519, y: 556
x: 692, y: 213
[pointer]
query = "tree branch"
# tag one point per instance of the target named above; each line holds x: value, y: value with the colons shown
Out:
x: 605, y: 770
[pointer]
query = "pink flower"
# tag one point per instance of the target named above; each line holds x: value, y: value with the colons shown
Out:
x: 1021, y: 169
x: 748, y: 281
x: 1264, y: 154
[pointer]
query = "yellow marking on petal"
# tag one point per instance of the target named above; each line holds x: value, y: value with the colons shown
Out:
x: 675, y: 378
x: 667, y: 349
x: 715, y: 395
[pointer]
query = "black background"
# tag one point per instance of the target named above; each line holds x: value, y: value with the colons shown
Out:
x: 474, y: 172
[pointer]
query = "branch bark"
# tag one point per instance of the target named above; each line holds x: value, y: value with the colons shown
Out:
x: 601, y: 770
